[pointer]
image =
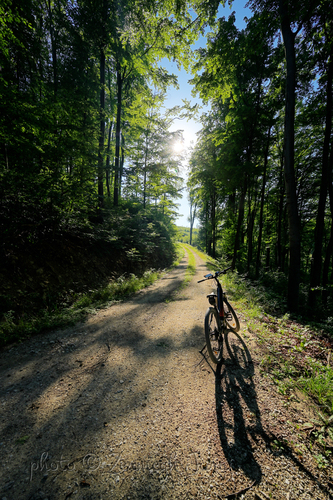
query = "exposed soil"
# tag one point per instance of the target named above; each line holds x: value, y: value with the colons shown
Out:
x: 125, y: 406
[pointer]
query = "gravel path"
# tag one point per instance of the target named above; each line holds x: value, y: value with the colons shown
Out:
x: 125, y: 406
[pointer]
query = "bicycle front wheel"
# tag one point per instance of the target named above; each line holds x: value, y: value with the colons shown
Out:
x: 214, y: 338
x: 230, y: 316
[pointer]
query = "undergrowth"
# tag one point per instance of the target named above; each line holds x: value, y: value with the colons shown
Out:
x: 82, y: 304
x: 85, y: 304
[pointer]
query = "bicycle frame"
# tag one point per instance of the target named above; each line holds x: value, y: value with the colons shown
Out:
x: 219, y: 307
x: 219, y: 295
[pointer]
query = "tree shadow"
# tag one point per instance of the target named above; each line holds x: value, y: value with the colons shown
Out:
x: 237, y: 410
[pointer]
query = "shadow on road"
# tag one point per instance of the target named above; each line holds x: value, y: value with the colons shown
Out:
x: 237, y: 411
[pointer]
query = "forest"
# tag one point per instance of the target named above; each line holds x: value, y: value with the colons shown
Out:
x: 87, y: 160
x: 89, y: 171
x: 261, y: 171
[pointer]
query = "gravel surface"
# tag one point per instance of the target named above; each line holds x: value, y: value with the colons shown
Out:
x: 125, y: 406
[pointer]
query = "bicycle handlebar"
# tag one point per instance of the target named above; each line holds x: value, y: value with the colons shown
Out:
x: 214, y: 276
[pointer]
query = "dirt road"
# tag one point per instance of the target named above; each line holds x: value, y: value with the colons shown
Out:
x: 125, y: 406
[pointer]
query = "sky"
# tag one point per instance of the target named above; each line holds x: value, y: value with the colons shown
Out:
x: 175, y: 96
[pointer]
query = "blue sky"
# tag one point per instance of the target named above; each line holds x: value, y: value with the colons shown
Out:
x: 175, y: 96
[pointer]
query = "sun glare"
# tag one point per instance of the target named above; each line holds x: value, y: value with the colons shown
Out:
x: 178, y: 147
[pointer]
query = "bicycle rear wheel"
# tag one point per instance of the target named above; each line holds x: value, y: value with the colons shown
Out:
x: 214, y: 338
x: 230, y: 316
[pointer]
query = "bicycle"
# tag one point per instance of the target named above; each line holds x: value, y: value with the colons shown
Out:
x: 218, y: 319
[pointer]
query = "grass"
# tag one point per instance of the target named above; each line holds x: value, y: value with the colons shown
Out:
x: 296, y: 362
x: 190, y: 270
x: 210, y: 262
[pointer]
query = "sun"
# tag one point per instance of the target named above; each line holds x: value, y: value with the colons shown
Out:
x: 178, y: 147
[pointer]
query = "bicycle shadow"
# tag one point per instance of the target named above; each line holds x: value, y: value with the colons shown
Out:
x: 237, y: 410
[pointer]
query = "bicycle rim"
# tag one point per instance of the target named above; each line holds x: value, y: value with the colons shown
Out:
x: 230, y: 316
x: 214, y: 338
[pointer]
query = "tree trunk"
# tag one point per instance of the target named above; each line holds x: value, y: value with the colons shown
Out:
x: 107, y: 170
x: 118, y: 133
x: 250, y: 228
x: 101, y: 131
x: 320, y: 220
x: 280, y: 265
x: 329, y: 249
x: 289, y: 171
x: 145, y: 170
x: 193, y: 209
x: 239, y: 222
x: 328, y: 256
x: 54, y: 50
x: 122, y: 159
x: 206, y: 230
x: 213, y: 219
x: 262, y: 201
x: 251, y: 215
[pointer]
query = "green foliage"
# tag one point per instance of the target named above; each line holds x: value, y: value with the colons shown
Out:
x: 56, y: 160
x: 318, y: 383
x: 75, y: 78
x: 237, y: 167
x: 183, y: 235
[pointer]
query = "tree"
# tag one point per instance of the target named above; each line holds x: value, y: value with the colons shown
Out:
x: 324, y: 54
x: 237, y: 67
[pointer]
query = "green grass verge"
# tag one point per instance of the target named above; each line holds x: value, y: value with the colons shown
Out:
x: 190, y: 269
x: 180, y: 252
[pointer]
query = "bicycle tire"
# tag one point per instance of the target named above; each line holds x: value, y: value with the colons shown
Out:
x: 230, y: 316
x: 214, y: 338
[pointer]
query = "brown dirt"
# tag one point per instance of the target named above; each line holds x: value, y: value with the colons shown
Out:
x: 125, y: 406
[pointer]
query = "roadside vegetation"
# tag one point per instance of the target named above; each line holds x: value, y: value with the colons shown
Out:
x: 184, y: 235
x: 83, y: 305
x: 76, y: 307
x: 191, y: 268
x: 62, y: 278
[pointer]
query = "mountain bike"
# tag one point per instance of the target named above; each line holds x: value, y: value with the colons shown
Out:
x: 219, y: 318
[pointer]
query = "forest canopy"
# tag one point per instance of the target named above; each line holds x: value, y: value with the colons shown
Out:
x: 87, y: 159
x: 85, y: 139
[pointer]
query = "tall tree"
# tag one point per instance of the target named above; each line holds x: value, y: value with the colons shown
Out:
x: 324, y: 52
